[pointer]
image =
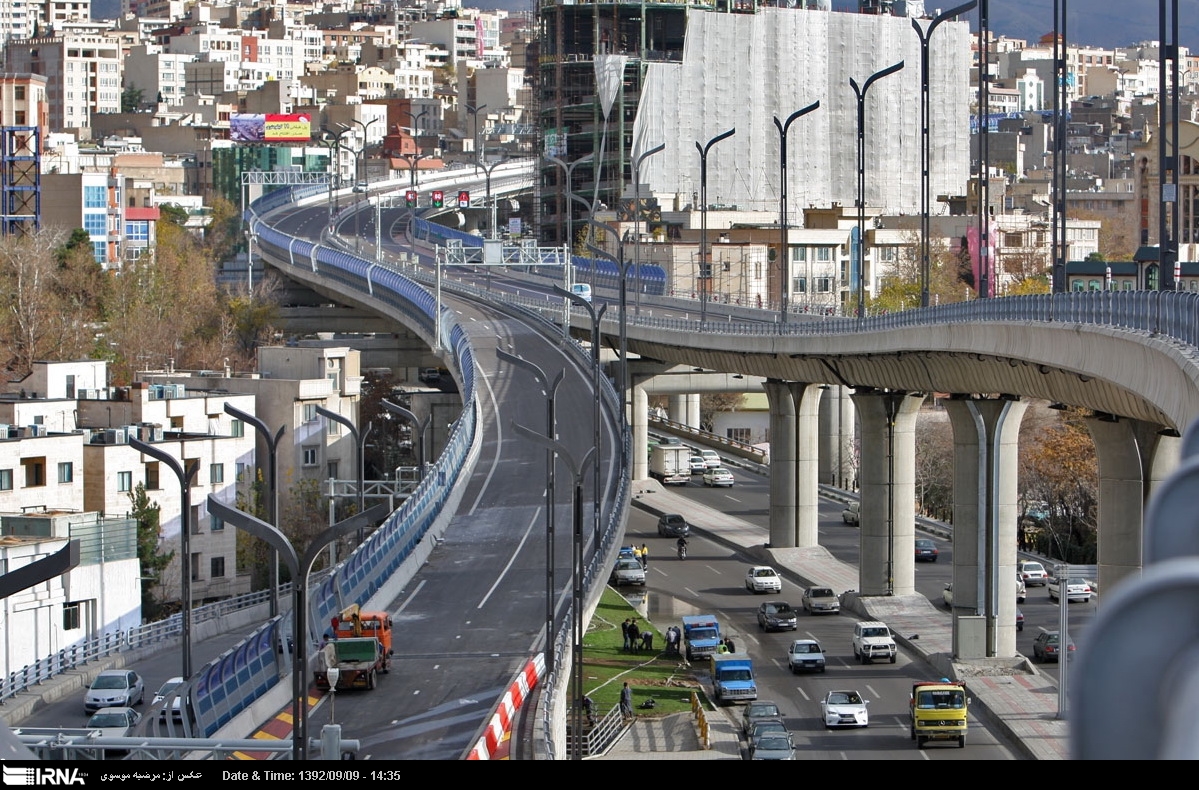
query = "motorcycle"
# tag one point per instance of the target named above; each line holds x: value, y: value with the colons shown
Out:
x: 682, y: 551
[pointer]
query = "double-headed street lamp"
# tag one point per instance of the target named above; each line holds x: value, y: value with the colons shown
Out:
x: 487, y: 170
x: 596, y: 317
x: 568, y: 171
x: 782, y: 254
x: 576, y: 607
x: 272, y: 447
x: 705, y: 267
x: 359, y: 445
x: 185, y: 505
x: 926, y: 142
x: 299, y: 569
x: 623, y: 267
x: 861, y: 94
x: 474, y: 111
x: 420, y: 425
x: 359, y: 178
x: 550, y: 390
x: 637, y: 219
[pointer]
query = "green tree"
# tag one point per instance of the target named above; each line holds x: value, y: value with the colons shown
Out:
x: 131, y: 99
x: 153, y: 561
x: 173, y: 213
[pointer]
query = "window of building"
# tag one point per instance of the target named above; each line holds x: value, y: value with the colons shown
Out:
x: 332, y: 427
x: 242, y: 469
x: 738, y: 434
x: 137, y: 231
x: 5, y: 480
x: 216, y: 473
x: 799, y: 285
x: 237, y: 429
x: 824, y: 254
x: 66, y: 472
x: 309, y: 412
x: 35, y: 471
x: 100, y: 251
x: 799, y: 254
x: 151, y: 475
x: 124, y: 481
x: 176, y: 423
x: 824, y: 284
x: 70, y: 616
x: 95, y: 223
x: 71, y: 387
x: 94, y: 197
x: 217, y: 565
x: 215, y: 524
x: 311, y: 454
x: 331, y: 470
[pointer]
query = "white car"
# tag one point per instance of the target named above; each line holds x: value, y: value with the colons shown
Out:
x: 871, y: 640
x: 114, y: 688
x: 114, y: 722
x: 718, y: 477
x: 844, y: 709
x: 628, y: 571
x: 698, y: 465
x: 1077, y: 590
x: 710, y: 458
x: 176, y: 703
x: 763, y: 579
x: 805, y: 654
x: 1033, y: 573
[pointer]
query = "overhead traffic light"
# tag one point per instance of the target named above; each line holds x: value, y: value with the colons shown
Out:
x: 438, y: 198
x: 410, y: 198
x: 464, y: 199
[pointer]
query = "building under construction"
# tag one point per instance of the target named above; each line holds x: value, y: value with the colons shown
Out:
x: 619, y: 79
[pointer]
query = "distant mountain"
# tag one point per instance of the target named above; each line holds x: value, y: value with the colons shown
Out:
x: 1095, y: 23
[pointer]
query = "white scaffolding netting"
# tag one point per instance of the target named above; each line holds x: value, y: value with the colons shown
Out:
x: 743, y: 70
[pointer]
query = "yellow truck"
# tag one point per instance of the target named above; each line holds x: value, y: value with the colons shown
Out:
x: 938, y: 712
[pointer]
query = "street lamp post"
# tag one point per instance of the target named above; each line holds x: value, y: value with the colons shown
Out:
x: 412, y: 160
x: 474, y: 111
x: 185, y: 503
x: 637, y: 219
x: 420, y: 425
x: 283, y: 547
x: 487, y: 170
x: 416, y: 116
x: 596, y: 317
x: 359, y: 444
x: 359, y: 177
x: 550, y: 390
x: 272, y: 447
x: 705, y: 268
x: 783, y: 263
x: 568, y: 170
x: 861, y: 94
x: 926, y: 143
x: 623, y: 266
x: 576, y: 575
x: 333, y: 141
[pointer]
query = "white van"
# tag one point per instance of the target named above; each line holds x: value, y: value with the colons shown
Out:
x: 581, y: 290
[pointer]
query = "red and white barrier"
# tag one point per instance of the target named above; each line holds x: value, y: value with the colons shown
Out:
x: 500, y: 725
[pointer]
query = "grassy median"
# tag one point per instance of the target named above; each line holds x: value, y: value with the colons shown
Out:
x: 652, y: 674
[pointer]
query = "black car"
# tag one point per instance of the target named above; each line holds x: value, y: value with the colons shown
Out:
x: 926, y: 550
x: 776, y: 616
x: 672, y: 525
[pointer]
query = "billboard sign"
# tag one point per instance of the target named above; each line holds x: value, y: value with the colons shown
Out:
x: 270, y: 128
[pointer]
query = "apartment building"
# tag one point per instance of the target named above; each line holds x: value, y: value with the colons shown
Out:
x: 82, y: 71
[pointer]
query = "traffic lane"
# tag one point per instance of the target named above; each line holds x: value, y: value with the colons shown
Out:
x: 679, y: 587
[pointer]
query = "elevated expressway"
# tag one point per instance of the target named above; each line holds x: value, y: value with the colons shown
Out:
x: 1128, y: 357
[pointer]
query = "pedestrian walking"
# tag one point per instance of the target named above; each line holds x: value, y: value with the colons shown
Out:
x: 729, y: 644
x: 626, y: 701
x: 644, y: 557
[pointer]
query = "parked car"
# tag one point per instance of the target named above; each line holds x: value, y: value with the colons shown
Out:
x: 163, y: 692
x: 430, y: 375
x: 718, y: 477
x: 672, y: 525
x: 947, y: 595
x: 1077, y: 589
x: 805, y: 654
x: 758, y: 710
x: 763, y: 579
x: 1047, y: 646
x: 114, y: 688
x: 698, y: 465
x: 628, y: 572
x: 711, y: 458
x: 1033, y: 573
x: 844, y: 709
x: 850, y: 514
x: 822, y: 600
x: 926, y: 550
x: 776, y: 616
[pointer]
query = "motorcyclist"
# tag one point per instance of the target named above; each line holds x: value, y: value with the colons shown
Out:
x: 681, y: 543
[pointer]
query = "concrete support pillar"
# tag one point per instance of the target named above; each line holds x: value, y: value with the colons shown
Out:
x: 836, y: 436
x: 806, y: 398
x: 676, y: 406
x: 1133, y: 459
x: 692, y: 410
x: 888, y: 491
x: 782, y: 463
x: 986, y: 435
x: 639, y: 424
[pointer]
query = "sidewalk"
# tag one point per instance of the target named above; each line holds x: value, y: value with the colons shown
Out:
x: 1010, y: 695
